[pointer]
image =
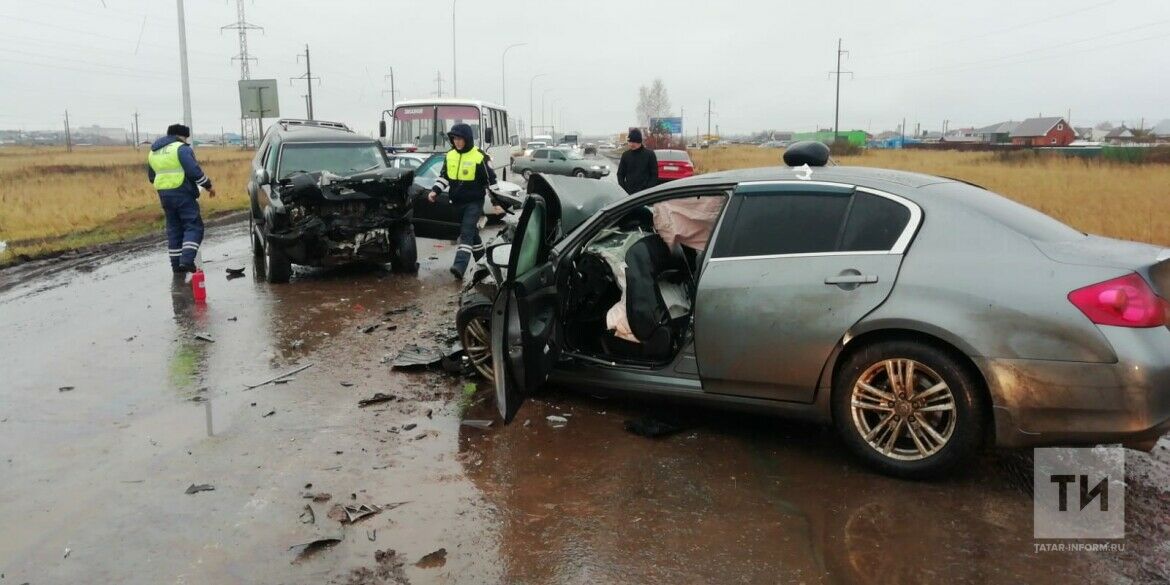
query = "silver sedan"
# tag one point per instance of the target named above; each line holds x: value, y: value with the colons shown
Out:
x: 923, y: 317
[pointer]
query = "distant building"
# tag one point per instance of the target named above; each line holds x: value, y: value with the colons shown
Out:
x: 1120, y: 135
x: 1161, y: 131
x: 1043, y: 132
x: 996, y: 133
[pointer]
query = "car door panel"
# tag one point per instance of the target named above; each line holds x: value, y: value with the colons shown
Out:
x: 439, y: 220
x: 765, y: 327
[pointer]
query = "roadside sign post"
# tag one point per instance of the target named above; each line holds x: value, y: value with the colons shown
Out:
x: 258, y: 100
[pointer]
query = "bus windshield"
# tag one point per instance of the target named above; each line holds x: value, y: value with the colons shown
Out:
x: 426, y: 126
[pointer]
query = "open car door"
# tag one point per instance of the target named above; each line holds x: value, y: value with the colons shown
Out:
x: 525, y: 315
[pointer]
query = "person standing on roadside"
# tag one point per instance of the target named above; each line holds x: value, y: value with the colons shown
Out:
x: 467, y: 175
x: 638, y: 168
x: 175, y: 174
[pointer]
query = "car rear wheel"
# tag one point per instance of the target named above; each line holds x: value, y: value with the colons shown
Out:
x: 908, y: 409
x: 474, y: 324
x: 277, y: 266
x: 580, y: 174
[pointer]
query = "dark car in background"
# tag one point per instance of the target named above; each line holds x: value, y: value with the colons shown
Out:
x: 322, y: 195
x: 674, y: 164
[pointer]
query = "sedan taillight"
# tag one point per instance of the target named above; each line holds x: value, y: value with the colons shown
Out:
x: 1126, y: 301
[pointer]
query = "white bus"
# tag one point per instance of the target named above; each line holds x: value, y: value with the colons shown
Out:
x: 422, y: 125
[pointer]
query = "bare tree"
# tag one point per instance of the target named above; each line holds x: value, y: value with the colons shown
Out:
x: 653, y: 102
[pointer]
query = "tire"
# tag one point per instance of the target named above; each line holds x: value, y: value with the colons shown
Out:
x: 473, y: 322
x: 955, y: 398
x: 257, y: 243
x: 580, y: 174
x: 405, y: 257
x: 277, y: 266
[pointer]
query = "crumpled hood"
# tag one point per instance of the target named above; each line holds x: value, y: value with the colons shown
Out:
x: 163, y: 141
x: 463, y: 131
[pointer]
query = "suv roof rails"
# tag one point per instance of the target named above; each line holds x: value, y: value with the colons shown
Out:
x: 286, y: 122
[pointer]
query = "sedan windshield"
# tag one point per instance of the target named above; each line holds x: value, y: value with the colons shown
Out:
x: 339, y: 159
x: 430, y: 167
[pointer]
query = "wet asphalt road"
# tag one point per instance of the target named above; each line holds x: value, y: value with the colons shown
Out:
x: 92, y: 479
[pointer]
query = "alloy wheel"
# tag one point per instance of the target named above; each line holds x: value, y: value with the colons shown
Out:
x: 477, y: 342
x: 903, y: 409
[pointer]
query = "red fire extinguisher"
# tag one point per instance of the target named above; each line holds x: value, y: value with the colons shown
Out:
x: 198, y: 288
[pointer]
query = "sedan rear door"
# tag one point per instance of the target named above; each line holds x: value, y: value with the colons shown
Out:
x: 793, y: 267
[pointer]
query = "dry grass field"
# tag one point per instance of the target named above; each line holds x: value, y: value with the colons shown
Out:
x: 52, y: 200
x: 1113, y: 199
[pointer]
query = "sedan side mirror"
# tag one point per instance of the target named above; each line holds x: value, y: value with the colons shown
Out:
x: 498, y: 256
x: 261, y: 177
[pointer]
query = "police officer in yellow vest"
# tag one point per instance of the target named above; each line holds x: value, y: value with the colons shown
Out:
x: 175, y: 174
x: 467, y: 175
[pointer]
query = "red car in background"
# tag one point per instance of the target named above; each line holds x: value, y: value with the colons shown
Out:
x: 674, y: 164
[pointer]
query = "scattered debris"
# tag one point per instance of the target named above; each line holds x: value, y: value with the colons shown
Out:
x: 308, y: 517
x: 319, y: 497
x: 204, y: 337
x: 527, y: 422
x: 233, y: 318
x: 370, y: 328
x: 346, y: 384
x: 283, y: 381
x: 275, y: 378
x: 67, y: 551
x: 454, y: 360
x: 389, y: 570
x: 268, y: 414
x: 401, y: 309
x: 197, y: 398
x: 409, y: 426
x: 651, y: 427
x: 556, y: 421
x: 477, y: 423
x: 235, y: 272
x: 372, y: 535
x: 296, y: 344
x: 65, y: 388
x: 429, y: 412
x: 309, y: 549
x: 413, y: 356
x: 349, y: 514
x: 131, y: 338
x: 202, y: 487
x: 377, y: 398
x: 433, y: 560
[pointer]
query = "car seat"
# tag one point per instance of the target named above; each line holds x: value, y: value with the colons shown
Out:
x: 648, y: 261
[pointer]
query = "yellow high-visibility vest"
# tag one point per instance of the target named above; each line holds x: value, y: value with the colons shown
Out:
x: 461, y: 166
x: 168, y: 170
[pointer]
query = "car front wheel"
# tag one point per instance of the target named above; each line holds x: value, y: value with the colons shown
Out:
x: 580, y: 174
x: 908, y: 409
x: 405, y: 257
x: 474, y: 325
x: 277, y: 266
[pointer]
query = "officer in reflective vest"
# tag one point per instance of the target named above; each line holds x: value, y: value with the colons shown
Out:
x: 175, y: 174
x: 467, y: 175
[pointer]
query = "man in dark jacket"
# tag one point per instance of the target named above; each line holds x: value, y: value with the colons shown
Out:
x: 174, y: 172
x: 638, y: 168
x: 467, y: 175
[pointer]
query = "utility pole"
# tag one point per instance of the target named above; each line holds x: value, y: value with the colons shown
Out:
x: 136, y: 140
x: 183, y: 67
x: 454, y: 75
x: 68, y: 137
x: 708, y: 120
x: 837, y: 107
x: 903, y: 143
x: 242, y: 26
x: 439, y: 80
x: 392, y: 90
x: 503, y: 77
x: 308, y: 77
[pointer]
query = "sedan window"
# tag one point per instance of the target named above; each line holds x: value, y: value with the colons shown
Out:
x: 874, y: 223
x: 555, y: 155
x: 785, y: 222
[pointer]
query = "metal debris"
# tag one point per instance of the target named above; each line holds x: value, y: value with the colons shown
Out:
x: 433, y: 560
x: 308, y: 517
x: 377, y: 398
x: 204, y: 337
x: 234, y: 272
x: 202, y: 487
x: 556, y: 421
x: 346, y: 384
x: 65, y: 388
x: 268, y: 414
x: 275, y: 378
x: 349, y: 514
x: 413, y: 356
x: 309, y: 549
x: 477, y: 423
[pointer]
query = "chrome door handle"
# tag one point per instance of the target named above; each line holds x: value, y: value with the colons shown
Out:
x: 852, y: 279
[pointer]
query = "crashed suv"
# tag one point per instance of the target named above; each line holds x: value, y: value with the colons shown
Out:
x: 322, y: 195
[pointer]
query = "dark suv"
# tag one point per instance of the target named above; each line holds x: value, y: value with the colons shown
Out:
x: 322, y: 195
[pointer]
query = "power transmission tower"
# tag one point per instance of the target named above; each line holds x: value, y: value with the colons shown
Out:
x: 439, y: 80
x: 242, y: 26
x: 308, y: 77
x: 837, y: 107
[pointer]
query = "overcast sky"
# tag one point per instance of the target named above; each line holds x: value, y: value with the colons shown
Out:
x: 763, y: 63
